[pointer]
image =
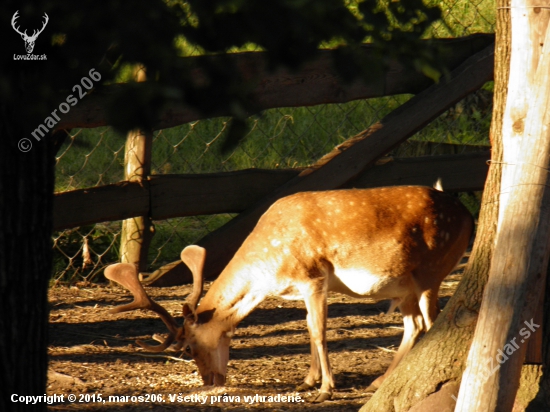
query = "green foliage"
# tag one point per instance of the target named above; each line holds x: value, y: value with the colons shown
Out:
x: 292, y: 31
x: 81, y: 35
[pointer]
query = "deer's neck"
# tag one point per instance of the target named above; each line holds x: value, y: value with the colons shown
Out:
x: 233, y: 296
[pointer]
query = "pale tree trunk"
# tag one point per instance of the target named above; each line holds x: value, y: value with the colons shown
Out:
x: 527, y: 35
x: 429, y: 377
x: 520, y: 258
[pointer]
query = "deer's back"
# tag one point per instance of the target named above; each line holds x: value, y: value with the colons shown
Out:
x: 382, y: 232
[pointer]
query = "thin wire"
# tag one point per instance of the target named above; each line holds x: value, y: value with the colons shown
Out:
x: 523, y: 7
x: 488, y: 162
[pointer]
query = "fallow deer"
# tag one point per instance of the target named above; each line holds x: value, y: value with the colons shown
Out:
x: 395, y: 243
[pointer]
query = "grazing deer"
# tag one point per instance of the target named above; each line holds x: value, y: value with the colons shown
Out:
x: 394, y: 243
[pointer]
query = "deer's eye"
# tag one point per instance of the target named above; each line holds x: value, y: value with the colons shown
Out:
x: 188, y: 350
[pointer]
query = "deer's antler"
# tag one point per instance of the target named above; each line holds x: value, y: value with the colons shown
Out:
x: 194, y: 257
x: 126, y: 274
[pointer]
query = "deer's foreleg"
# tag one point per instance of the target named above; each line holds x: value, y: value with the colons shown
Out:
x: 314, y: 370
x: 316, y: 304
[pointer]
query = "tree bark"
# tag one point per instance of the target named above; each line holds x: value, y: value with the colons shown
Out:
x: 520, y: 259
x: 26, y: 188
x: 438, y: 360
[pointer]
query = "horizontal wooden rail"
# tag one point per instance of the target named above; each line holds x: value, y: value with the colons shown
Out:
x: 100, y: 204
x: 166, y: 196
x: 204, y: 194
x: 315, y: 83
x: 458, y: 173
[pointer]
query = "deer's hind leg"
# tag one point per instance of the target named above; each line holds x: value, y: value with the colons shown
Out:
x: 413, y: 327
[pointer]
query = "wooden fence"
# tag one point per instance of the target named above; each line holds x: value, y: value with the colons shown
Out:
x: 250, y: 192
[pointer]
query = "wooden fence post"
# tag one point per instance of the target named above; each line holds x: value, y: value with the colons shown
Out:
x: 137, y: 232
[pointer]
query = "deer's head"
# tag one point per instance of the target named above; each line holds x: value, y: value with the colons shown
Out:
x: 29, y: 40
x: 207, y: 343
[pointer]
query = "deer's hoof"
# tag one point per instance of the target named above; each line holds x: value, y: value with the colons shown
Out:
x: 323, y: 396
x: 304, y: 387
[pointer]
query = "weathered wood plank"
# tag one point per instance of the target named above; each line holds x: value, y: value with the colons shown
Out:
x: 315, y: 83
x: 232, y: 192
x: 171, y: 196
x: 99, y: 204
x: 458, y: 173
x: 348, y: 160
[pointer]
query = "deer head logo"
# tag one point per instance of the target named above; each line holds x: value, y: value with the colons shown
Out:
x: 29, y: 40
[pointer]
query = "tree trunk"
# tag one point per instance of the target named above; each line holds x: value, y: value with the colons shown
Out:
x: 520, y: 259
x: 26, y: 188
x: 137, y: 232
x: 436, y: 363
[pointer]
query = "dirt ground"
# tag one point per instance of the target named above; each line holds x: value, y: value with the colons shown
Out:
x: 93, y: 355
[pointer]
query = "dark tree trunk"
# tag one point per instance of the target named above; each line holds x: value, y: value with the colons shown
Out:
x: 26, y: 187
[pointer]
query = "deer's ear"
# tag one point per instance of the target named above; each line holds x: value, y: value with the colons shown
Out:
x: 188, y: 313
